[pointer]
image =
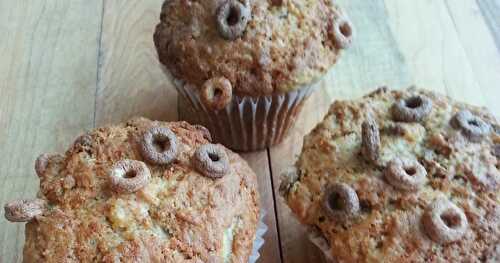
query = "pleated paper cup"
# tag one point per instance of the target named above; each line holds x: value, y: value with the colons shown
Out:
x: 317, y: 239
x: 246, y: 123
x: 259, y: 239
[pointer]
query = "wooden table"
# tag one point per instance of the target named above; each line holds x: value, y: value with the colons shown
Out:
x: 69, y: 66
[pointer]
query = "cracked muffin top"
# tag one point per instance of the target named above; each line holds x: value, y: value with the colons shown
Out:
x: 142, y: 191
x: 401, y: 176
x: 260, y: 46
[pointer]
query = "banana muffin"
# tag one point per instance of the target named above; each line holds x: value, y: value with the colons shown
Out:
x: 245, y: 66
x: 142, y: 191
x: 400, y: 176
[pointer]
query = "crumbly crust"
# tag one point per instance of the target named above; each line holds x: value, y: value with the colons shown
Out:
x: 179, y: 216
x: 284, y: 46
x: 389, y: 226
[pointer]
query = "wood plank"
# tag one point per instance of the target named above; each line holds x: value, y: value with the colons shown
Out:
x: 437, y: 60
x: 259, y: 162
x: 47, y: 85
x: 131, y: 82
x: 479, y: 46
x: 373, y: 60
x: 490, y: 9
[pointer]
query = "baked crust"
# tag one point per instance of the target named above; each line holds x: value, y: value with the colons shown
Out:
x: 389, y: 226
x: 284, y: 46
x: 179, y: 216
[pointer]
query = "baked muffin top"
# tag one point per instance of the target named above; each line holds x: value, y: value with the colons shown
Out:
x: 142, y: 191
x: 401, y: 176
x: 260, y: 46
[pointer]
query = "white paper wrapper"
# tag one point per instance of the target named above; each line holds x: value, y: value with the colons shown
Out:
x: 318, y: 240
x: 259, y: 239
x: 246, y: 123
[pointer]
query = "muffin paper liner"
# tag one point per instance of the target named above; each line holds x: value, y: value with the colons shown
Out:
x: 259, y: 239
x: 246, y: 123
x: 317, y: 239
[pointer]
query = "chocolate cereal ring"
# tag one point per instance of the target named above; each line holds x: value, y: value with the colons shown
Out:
x: 405, y: 174
x: 129, y: 176
x: 471, y: 126
x: 24, y: 210
x: 216, y: 93
x: 41, y: 164
x: 159, y: 145
x: 83, y: 141
x: 412, y: 109
x: 342, y: 32
x: 232, y: 18
x: 341, y: 201
x: 211, y: 161
x: 370, y: 140
x: 444, y: 222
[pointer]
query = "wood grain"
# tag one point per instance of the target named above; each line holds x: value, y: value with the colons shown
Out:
x: 47, y: 85
x: 259, y: 162
x: 438, y: 59
x: 130, y: 80
x: 480, y: 49
x: 68, y: 66
x: 490, y: 11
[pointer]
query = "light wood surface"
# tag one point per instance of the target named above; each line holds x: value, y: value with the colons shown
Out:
x: 69, y: 66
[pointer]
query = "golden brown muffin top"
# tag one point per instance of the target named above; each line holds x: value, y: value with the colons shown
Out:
x: 401, y: 176
x: 274, y: 45
x: 164, y: 205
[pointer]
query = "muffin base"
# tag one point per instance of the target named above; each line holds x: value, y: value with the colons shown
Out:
x: 259, y: 239
x: 317, y: 239
x: 246, y: 123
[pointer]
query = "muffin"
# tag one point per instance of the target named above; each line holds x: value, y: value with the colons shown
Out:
x: 245, y: 67
x: 400, y: 176
x: 142, y: 191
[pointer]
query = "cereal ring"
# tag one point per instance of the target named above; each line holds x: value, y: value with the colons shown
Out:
x: 204, y: 131
x: 341, y: 201
x: 216, y: 93
x: 405, y: 174
x: 444, y: 222
x: 473, y: 127
x: 24, y: 210
x: 370, y: 140
x: 83, y: 141
x: 342, y: 32
x: 232, y: 18
x: 129, y: 176
x: 41, y: 164
x: 159, y: 145
x: 211, y: 161
x: 412, y: 109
